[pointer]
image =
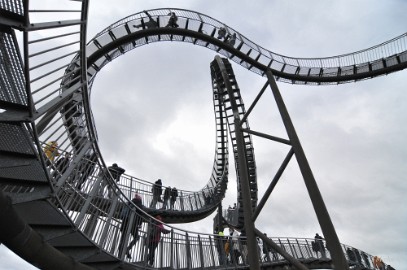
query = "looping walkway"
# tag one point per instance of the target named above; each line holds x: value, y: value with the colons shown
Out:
x: 76, y: 211
x: 203, y: 30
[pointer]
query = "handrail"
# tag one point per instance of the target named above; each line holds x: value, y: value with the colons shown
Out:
x: 380, y: 59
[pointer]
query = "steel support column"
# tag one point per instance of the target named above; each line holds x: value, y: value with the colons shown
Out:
x: 328, y: 230
x: 243, y: 174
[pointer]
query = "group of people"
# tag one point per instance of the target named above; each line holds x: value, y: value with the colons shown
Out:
x: 233, y: 249
x: 152, y: 237
x: 152, y: 23
x: 230, y: 248
x: 173, y: 23
x: 170, y: 195
x: 58, y: 162
x: 226, y: 37
x: 318, y: 245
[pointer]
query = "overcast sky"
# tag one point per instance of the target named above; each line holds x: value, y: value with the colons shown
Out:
x: 153, y: 111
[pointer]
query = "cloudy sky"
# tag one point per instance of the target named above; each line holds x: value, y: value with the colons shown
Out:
x: 153, y: 112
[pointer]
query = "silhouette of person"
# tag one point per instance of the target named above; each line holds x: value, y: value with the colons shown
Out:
x: 319, y: 245
x: 167, y: 195
x: 136, y: 224
x: 229, y: 213
x: 156, y: 228
x: 172, y: 22
x: 231, y: 40
x: 222, y: 33
x: 150, y: 24
x: 174, y: 195
x: 116, y: 172
x: 156, y: 190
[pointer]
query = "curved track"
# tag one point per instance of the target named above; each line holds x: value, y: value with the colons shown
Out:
x: 66, y: 206
x: 202, y: 30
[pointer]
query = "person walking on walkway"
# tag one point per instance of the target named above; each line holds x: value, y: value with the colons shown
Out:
x: 172, y: 22
x: 156, y: 190
x: 116, y: 172
x: 134, y: 228
x: 319, y: 245
x: 156, y: 228
x: 167, y: 195
x: 174, y: 195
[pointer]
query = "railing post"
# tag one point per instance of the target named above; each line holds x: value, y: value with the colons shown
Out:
x: 177, y: 252
x: 172, y: 249
x: 299, y: 247
x: 124, y: 237
x: 196, y: 200
x: 293, y: 253
x: 188, y: 251
x: 112, y: 210
x: 131, y: 187
x: 211, y: 246
x: 201, y: 251
x: 85, y: 207
x: 161, y: 252
x: 307, y: 248
x: 181, y: 201
x: 147, y: 242
x: 190, y: 201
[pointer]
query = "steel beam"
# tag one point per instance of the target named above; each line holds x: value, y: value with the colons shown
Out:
x: 338, y: 258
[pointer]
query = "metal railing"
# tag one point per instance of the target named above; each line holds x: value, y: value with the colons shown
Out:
x: 84, y: 189
x: 105, y: 224
x: 13, y: 6
x: 384, y: 55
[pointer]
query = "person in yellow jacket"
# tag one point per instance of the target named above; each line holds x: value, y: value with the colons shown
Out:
x: 51, y: 150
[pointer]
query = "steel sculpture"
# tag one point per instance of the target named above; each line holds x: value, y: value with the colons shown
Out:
x: 60, y: 210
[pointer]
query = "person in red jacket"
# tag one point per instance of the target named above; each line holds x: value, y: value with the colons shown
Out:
x: 154, y: 237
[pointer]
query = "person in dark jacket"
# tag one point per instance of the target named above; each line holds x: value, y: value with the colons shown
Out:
x: 319, y: 245
x: 156, y: 228
x: 157, y: 189
x: 167, y: 195
x: 116, y: 173
x: 133, y: 229
x: 174, y: 195
x: 172, y: 22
